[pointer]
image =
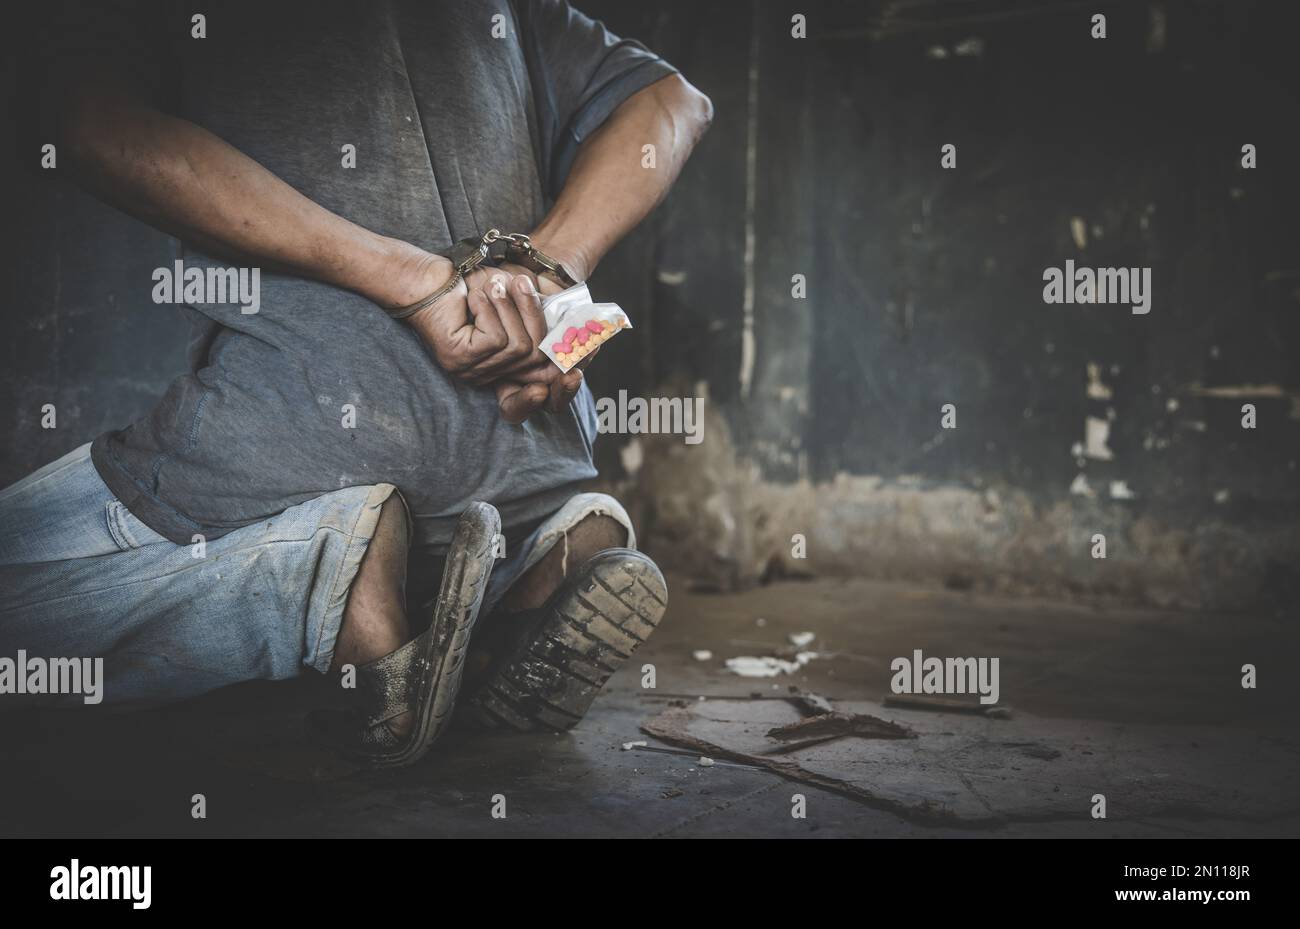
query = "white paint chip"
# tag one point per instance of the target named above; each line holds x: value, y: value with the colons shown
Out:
x: 628, y: 746
x: 1096, y: 435
x: 1096, y: 389
x: 1080, y: 488
x: 801, y: 639
x: 1079, y: 232
x: 767, y: 666
x: 632, y: 457
x: 702, y: 654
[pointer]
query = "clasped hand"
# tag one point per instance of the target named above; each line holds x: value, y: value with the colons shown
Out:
x: 486, y: 332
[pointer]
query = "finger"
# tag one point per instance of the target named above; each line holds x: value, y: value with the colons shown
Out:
x: 544, y: 373
x: 529, y: 303
x: 547, y: 372
x: 520, y: 303
x: 564, y: 389
x: 503, y: 297
x: 514, y: 269
x: 488, y: 335
x: 519, y: 401
x: 517, y: 347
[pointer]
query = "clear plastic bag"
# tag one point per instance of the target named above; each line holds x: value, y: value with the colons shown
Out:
x: 575, y: 326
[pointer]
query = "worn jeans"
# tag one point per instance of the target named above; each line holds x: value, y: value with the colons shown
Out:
x: 81, y: 577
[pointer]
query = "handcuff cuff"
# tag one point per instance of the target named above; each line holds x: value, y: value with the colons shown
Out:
x: 468, y: 254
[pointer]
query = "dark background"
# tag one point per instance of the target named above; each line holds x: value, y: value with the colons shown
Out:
x: 924, y: 288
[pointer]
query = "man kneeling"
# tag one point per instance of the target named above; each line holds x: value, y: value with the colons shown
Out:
x: 378, y: 452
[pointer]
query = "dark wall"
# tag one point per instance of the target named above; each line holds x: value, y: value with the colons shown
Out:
x: 924, y: 285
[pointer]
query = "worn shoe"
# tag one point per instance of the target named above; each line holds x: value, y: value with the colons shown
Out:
x: 423, y: 676
x: 565, y: 651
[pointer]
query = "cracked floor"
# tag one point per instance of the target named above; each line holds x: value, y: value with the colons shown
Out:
x: 1063, y: 665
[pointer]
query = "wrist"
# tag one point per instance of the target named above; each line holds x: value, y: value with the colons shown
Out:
x: 406, y: 274
x: 573, y: 257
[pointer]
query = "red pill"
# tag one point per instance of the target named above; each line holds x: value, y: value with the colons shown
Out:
x: 570, y: 334
x: 593, y: 325
x: 583, y: 336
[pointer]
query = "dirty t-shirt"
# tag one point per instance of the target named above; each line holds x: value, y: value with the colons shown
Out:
x: 461, y: 116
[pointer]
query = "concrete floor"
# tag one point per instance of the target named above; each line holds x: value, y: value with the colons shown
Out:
x: 95, y: 773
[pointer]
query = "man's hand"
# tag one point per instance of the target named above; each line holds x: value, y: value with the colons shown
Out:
x: 486, y: 331
x: 552, y: 390
x: 546, y: 285
x: 542, y: 385
x: 487, y: 326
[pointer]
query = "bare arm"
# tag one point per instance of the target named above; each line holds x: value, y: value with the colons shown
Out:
x: 181, y: 178
x: 606, y: 195
x: 608, y: 192
x: 184, y: 180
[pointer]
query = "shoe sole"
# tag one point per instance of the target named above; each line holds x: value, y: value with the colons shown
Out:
x: 550, y: 678
x: 469, y: 563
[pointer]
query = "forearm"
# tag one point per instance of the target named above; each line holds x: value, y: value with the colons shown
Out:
x: 181, y: 178
x: 609, y: 191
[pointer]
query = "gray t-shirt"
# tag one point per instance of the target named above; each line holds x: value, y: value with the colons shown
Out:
x: 455, y: 131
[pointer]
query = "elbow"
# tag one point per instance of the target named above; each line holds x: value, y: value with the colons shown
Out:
x: 703, y: 108
x: 695, y: 108
x: 704, y: 112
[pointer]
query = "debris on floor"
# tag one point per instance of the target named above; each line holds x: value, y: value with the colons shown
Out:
x: 945, y: 703
x: 702, y: 654
x: 827, y: 727
x: 964, y: 769
x: 767, y: 665
x: 810, y: 703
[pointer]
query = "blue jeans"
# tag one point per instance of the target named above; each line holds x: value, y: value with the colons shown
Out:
x: 80, y: 577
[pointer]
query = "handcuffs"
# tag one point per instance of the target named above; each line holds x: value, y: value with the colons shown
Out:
x: 468, y: 254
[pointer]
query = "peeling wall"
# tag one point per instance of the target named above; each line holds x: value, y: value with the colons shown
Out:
x: 709, y: 513
x: 925, y: 287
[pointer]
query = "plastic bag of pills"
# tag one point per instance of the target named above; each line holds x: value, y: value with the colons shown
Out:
x: 575, y: 326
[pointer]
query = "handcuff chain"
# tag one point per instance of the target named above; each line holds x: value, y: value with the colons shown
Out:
x: 475, y: 257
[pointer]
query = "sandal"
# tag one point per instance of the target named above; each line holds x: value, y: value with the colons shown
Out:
x: 423, y: 676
